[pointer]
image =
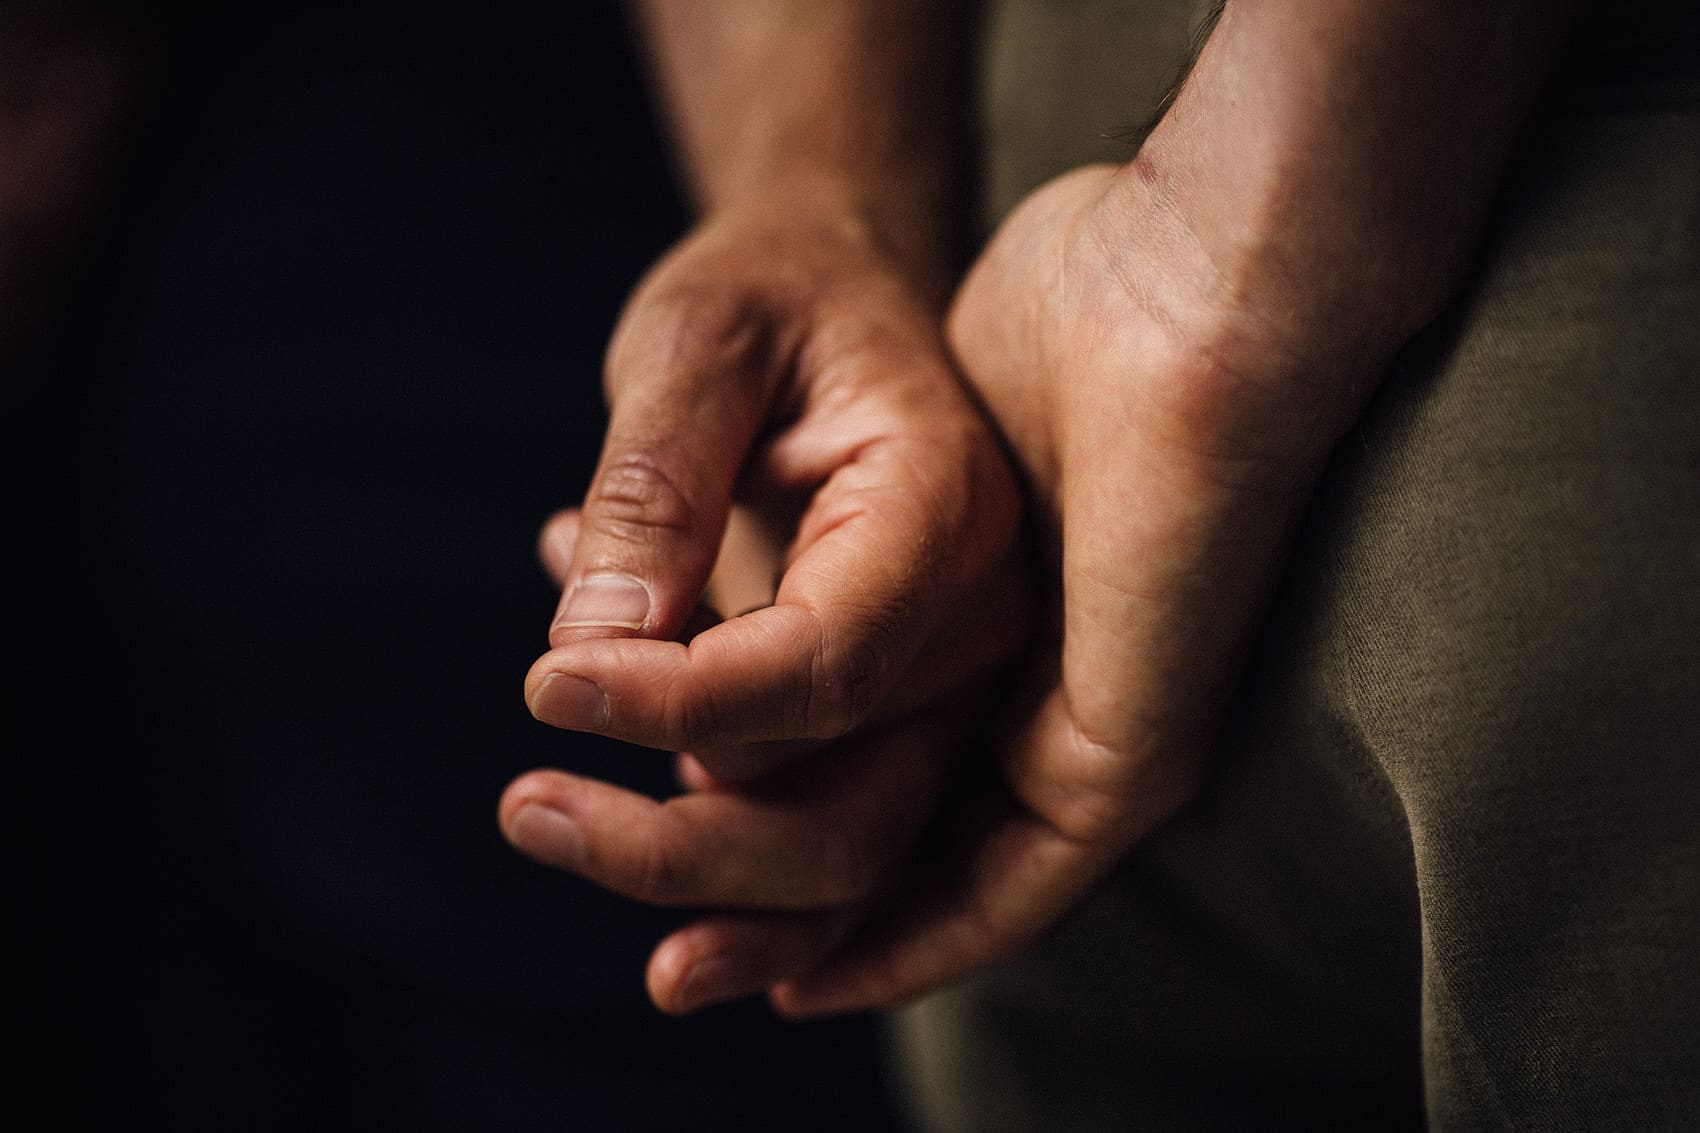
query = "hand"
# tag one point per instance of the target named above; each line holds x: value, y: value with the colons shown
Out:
x: 1169, y: 441
x: 788, y: 364
x: 1172, y: 349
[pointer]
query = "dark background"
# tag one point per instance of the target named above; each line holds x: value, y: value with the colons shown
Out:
x: 271, y: 500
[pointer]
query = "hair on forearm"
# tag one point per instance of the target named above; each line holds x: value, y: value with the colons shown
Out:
x: 1195, y: 48
x: 1134, y: 136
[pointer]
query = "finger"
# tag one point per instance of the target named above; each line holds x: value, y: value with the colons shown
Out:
x: 818, y: 839
x: 650, y: 693
x: 1012, y: 873
x: 693, y: 776
x: 690, y: 380
x: 751, y: 560
x: 984, y: 628
x: 1114, y: 749
x: 893, y: 537
x: 555, y: 544
x: 739, y: 694
x: 698, y: 849
x: 977, y: 911
x: 957, y: 669
x: 732, y: 955
x: 555, y: 550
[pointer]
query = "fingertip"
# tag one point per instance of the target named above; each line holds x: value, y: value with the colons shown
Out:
x: 550, y: 664
x: 691, y: 970
x: 666, y: 972
x: 605, y: 603
x: 541, y: 783
x: 693, y: 776
x: 565, y: 700
x: 562, y: 636
x: 783, y: 1000
x: 555, y: 544
x: 649, y: 527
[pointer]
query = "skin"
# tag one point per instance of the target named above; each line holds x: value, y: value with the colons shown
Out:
x: 1171, y: 349
x: 780, y: 384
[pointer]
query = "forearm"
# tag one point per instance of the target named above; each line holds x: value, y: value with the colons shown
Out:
x: 1328, y: 166
x: 847, y: 109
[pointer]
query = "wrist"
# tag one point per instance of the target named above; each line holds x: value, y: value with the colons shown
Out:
x: 1255, y: 272
x: 827, y: 214
x: 1236, y: 368
x: 859, y: 109
x: 1315, y: 165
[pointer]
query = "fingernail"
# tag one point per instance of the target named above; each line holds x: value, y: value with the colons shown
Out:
x: 569, y: 701
x: 608, y: 599
x: 710, y: 981
x: 545, y: 832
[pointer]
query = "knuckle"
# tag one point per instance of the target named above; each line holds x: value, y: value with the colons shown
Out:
x: 684, y: 328
x: 1094, y: 804
x: 828, y: 709
x: 1089, y: 814
x: 662, y: 875
x: 634, y: 494
x: 844, y: 683
x: 703, y: 322
x: 691, y: 715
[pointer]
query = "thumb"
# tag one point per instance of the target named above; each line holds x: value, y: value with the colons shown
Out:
x: 689, y: 383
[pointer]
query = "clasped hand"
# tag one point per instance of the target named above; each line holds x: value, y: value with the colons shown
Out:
x: 799, y: 562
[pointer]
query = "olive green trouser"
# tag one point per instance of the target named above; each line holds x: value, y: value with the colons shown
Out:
x: 1448, y: 869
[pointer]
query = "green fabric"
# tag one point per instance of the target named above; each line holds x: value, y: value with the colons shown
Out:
x: 1448, y: 871
x: 1067, y: 83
